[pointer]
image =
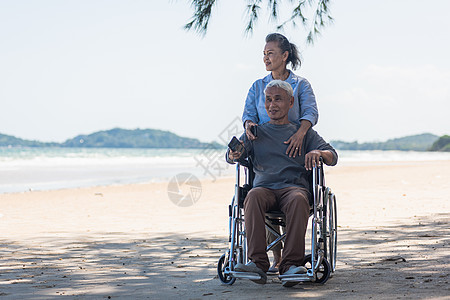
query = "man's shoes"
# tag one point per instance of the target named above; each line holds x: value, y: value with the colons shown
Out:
x: 252, y: 268
x: 295, y: 270
x: 291, y: 271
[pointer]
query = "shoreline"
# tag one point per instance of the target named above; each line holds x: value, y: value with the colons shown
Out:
x: 74, y: 185
x: 48, y: 170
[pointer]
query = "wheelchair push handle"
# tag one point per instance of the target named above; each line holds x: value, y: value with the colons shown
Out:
x: 319, y: 166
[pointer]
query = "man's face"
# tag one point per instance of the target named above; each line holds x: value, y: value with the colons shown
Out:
x: 278, y: 103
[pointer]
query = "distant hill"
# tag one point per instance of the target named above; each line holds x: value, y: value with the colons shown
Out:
x: 117, y: 138
x: 420, y: 142
x: 152, y: 138
x: 9, y: 140
x: 442, y: 144
x: 137, y: 138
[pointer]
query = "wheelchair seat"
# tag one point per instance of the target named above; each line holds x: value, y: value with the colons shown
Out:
x: 274, y: 214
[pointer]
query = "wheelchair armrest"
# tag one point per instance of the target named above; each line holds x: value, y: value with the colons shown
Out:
x: 244, y: 162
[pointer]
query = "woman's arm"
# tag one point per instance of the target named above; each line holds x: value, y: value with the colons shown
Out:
x: 307, y: 102
x: 308, y: 117
x: 250, y: 110
x: 248, y: 125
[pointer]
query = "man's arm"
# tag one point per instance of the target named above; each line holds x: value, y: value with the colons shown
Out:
x: 312, y: 158
x: 316, y: 147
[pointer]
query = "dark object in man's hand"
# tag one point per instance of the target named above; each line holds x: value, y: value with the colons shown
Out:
x: 253, y: 130
x: 236, y: 145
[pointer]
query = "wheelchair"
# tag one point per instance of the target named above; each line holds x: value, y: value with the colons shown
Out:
x: 320, y: 263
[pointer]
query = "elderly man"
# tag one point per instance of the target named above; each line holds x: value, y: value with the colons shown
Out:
x: 281, y: 182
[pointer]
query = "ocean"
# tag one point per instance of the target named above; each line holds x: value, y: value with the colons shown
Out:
x: 25, y: 169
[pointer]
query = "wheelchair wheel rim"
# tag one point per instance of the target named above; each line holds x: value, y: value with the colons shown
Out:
x: 221, y: 265
x: 330, y: 229
x: 323, y: 272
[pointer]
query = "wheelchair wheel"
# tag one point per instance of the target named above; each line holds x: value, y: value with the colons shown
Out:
x: 324, y: 271
x: 221, y: 265
x: 330, y: 229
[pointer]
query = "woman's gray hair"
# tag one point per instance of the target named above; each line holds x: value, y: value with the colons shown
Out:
x: 282, y: 85
x: 284, y: 45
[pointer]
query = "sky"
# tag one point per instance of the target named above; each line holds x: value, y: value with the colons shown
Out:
x: 381, y: 71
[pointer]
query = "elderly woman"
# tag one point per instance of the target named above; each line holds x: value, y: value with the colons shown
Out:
x: 278, y: 53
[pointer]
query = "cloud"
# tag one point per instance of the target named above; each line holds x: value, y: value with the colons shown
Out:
x: 388, y: 101
x: 408, y: 84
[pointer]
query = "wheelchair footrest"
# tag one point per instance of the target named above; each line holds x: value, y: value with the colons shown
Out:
x: 245, y: 275
x: 294, y: 278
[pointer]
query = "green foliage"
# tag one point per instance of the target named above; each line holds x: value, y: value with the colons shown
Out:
x: 442, y: 144
x: 320, y: 17
x: 421, y: 142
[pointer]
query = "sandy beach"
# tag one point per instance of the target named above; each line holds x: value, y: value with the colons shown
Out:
x: 132, y: 242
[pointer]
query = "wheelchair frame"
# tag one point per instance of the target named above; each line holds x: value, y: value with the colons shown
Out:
x: 320, y: 264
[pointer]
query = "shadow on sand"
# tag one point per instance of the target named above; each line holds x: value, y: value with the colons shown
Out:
x: 404, y: 261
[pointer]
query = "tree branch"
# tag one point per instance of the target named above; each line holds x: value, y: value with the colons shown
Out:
x: 202, y: 14
x: 321, y: 17
x: 252, y: 12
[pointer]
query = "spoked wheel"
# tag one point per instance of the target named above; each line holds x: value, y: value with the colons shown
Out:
x: 331, y: 229
x: 324, y: 271
x: 221, y: 265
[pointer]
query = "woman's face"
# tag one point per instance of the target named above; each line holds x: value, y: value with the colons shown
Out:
x: 274, y: 58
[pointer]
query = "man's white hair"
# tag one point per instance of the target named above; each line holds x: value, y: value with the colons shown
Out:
x: 282, y: 85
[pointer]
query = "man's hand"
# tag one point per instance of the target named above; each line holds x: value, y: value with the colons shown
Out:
x: 312, y: 159
x: 248, y: 132
x: 234, y: 155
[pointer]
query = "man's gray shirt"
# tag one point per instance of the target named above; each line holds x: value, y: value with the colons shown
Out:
x: 273, y: 168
